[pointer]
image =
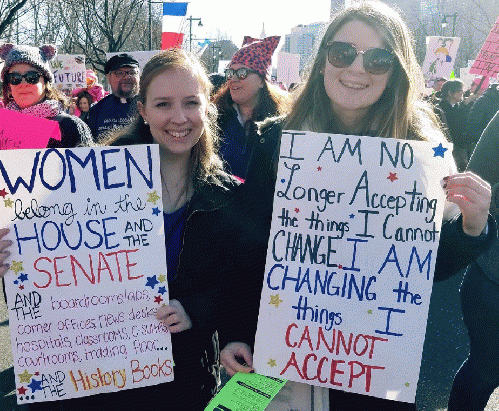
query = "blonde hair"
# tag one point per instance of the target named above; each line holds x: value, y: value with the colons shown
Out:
x: 205, y: 161
x: 400, y: 112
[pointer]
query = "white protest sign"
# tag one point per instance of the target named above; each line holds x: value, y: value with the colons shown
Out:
x: 288, y: 68
x: 440, y: 57
x: 69, y: 71
x: 83, y: 289
x: 350, y: 262
x: 141, y: 56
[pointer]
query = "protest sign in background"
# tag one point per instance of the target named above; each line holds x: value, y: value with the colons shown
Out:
x: 440, y: 56
x: 69, y: 71
x: 288, y: 68
x: 83, y: 289
x: 19, y: 130
x: 350, y: 262
x: 487, y: 61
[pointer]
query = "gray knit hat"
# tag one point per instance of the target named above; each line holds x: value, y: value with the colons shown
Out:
x: 36, y: 57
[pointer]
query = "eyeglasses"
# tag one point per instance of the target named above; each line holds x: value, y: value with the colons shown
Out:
x: 123, y: 73
x: 31, y: 77
x: 241, y: 73
x: 375, y: 60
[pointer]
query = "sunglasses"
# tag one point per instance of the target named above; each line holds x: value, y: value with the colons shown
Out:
x: 375, y: 60
x: 31, y: 77
x: 241, y: 73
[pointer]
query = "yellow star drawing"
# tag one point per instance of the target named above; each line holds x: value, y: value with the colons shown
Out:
x: 16, y: 266
x: 153, y: 197
x: 272, y: 362
x: 8, y: 202
x: 275, y: 300
x: 406, y: 384
x: 25, y: 376
x: 161, y: 278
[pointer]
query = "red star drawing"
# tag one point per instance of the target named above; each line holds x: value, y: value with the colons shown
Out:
x: 319, y: 168
x: 392, y: 177
x: 22, y: 390
x: 340, y: 266
x: 158, y: 299
x: 37, y: 373
x: 297, y: 210
x: 21, y: 287
x: 3, y: 193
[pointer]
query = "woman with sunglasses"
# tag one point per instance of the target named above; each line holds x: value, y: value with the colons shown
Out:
x: 364, y: 81
x: 246, y: 98
x: 27, y: 87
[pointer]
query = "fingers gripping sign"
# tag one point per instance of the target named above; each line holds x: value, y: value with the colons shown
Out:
x: 472, y: 195
x: 174, y: 316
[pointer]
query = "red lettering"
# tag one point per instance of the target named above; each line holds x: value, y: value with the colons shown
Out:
x: 102, y: 260
x: 305, y: 366
x: 319, y: 370
x: 288, y: 331
x: 320, y: 336
x: 35, y: 266
x: 57, y: 272
x: 334, y: 371
x: 75, y: 262
x: 306, y: 336
x: 292, y: 362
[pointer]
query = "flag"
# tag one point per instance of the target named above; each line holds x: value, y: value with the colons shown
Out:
x: 202, y: 47
x: 173, y: 17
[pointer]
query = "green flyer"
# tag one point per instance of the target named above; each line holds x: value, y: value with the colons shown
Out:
x: 246, y: 392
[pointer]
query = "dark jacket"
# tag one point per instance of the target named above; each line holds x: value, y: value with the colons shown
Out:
x: 110, y: 113
x: 74, y: 132
x: 236, y: 142
x: 455, y: 119
x: 484, y: 163
x: 482, y: 111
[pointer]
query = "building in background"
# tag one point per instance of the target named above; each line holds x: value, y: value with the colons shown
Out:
x: 303, y: 40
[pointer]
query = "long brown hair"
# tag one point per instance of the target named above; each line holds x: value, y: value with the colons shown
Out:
x: 205, y: 162
x: 272, y: 101
x: 400, y: 112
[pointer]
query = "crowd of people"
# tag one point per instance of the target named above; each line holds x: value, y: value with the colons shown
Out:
x: 218, y: 163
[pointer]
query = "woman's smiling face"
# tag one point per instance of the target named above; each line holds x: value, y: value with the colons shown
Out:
x: 352, y: 90
x: 176, y: 110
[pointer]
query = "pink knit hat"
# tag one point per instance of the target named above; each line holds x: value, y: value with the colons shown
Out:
x: 256, y: 53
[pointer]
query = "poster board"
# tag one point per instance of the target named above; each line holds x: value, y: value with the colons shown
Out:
x: 440, y: 56
x: 288, y: 68
x: 19, y: 130
x: 350, y: 262
x: 69, y: 71
x: 83, y: 289
x: 487, y: 60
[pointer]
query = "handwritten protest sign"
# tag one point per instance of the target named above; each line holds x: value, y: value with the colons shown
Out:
x: 487, y: 61
x: 83, y: 289
x: 440, y: 57
x: 350, y: 262
x: 19, y: 130
x: 69, y: 71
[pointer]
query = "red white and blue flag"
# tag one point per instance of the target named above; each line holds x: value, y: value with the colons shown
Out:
x: 173, y: 18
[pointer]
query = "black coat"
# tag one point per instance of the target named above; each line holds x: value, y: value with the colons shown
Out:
x: 74, y: 132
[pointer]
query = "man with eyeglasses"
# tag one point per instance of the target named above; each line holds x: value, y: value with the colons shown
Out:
x: 119, y: 108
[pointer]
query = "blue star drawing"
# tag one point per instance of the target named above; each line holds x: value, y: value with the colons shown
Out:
x: 156, y: 211
x: 283, y: 180
x: 151, y: 282
x: 352, y: 215
x: 16, y: 282
x: 23, y: 277
x: 162, y: 290
x: 35, y: 385
x: 439, y: 151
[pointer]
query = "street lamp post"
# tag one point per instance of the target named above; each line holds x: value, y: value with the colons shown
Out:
x: 215, y: 57
x: 150, y: 21
x: 444, y: 23
x: 191, y: 19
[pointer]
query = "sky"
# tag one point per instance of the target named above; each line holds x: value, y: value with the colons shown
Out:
x: 238, y: 18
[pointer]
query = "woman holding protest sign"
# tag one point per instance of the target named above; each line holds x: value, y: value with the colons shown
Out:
x: 247, y: 97
x: 206, y: 237
x: 365, y: 80
x: 27, y: 88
